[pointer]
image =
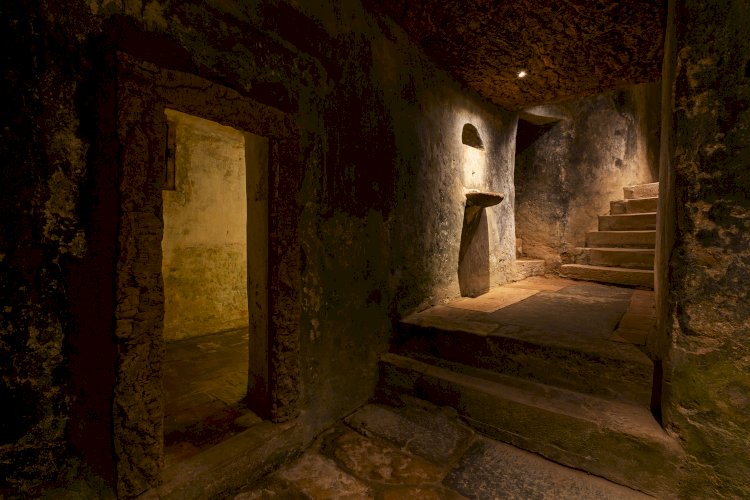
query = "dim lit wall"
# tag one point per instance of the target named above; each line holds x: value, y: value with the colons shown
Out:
x: 568, y: 175
x: 703, y: 283
x: 379, y: 208
x: 204, y: 250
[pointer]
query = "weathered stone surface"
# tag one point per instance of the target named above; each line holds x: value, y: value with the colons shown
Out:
x: 569, y: 49
x: 546, y: 283
x: 231, y: 464
x: 271, y: 488
x: 622, y: 442
x: 703, y: 299
x: 636, y: 258
x: 492, y: 469
x: 483, y: 199
x: 628, y: 222
x: 318, y: 477
x: 560, y: 336
x: 636, y: 206
x: 569, y: 174
x: 625, y: 239
x: 593, y: 315
x: 639, y: 322
x: 367, y: 217
x: 373, y: 461
x: 604, y: 274
x: 493, y: 300
x: 526, y: 268
x: 430, y: 435
x: 421, y: 492
x: 650, y: 190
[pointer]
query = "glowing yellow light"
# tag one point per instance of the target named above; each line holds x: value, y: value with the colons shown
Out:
x: 522, y: 74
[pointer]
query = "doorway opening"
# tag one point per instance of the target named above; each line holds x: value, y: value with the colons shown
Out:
x: 207, y: 246
x: 268, y: 378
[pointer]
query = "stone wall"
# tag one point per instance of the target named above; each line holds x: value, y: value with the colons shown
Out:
x: 377, y: 214
x: 705, y: 325
x: 568, y: 175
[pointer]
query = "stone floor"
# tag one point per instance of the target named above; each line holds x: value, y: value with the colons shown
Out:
x: 411, y: 452
x: 423, y: 452
x: 205, y: 381
x: 553, y: 305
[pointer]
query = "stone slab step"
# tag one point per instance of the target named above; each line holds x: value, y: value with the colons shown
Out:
x: 635, y: 206
x: 621, y: 442
x: 621, y: 239
x: 604, y: 274
x: 633, y: 258
x: 628, y: 222
x: 641, y: 191
x: 525, y: 268
x: 572, y: 361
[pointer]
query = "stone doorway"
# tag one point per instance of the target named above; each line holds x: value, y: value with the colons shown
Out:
x: 212, y: 238
x: 144, y: 91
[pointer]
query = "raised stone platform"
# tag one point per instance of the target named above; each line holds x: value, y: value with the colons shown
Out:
x: 548, y: 365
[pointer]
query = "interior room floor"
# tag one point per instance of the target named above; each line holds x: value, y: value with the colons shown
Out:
x: 205, y: 382
x: 423, y: 452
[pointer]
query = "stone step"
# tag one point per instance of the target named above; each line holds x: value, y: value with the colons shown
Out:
x: 621, y: 239
x: 618, y: 441
x: 604, y: 274
x: 641, y: 191
x: 635, y: 206
x: 628, y: 222
x: 525, y: 268
x: 633, y: 258
x: 582, y: 363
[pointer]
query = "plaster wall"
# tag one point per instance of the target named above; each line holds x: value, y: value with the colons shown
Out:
x: 568, y: 176
x: 204, y: 248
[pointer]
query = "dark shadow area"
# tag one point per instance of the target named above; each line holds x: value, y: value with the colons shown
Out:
x: 527, y: 133
x: 474, y: 253
x: 205, y: 385
x: 91, y: 351
x: 470, y: 136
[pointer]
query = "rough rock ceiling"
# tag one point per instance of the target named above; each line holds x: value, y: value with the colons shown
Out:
x: 569, y: 48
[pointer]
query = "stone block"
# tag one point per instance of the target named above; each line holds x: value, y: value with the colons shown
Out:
x: 430, y: 435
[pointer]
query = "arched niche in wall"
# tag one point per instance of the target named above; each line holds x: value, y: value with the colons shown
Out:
x: 470, y: 136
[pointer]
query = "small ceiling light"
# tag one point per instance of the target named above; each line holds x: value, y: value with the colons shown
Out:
x: 522, y: 74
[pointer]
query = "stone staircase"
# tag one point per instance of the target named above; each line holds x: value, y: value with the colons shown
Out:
x: 622, y: 250
x: 575, y: 398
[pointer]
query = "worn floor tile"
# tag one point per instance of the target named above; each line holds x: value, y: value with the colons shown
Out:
x: 570, y: 313
x: 272, y: 488
x: 451, y: 318
x: 541, y: 283
x: 419, y: 493
x: 374, y: 461
x: 493, y: 300
x: 493, y: 470
x: 431, y: 435
x: 318, y: 477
